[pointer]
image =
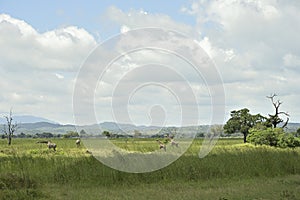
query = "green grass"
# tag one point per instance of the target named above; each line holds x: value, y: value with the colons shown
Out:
x: 232, y: 170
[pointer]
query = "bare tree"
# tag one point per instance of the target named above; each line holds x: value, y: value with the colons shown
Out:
x: 9, y: 127
x: 275, y: 119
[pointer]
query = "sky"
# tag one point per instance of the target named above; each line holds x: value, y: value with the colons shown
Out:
x: 254, y: 44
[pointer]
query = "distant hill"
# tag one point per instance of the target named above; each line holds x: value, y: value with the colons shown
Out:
x: 293, y: 127
x: 113, y: 126
x: 27, y: 119
x: 32, y: 125
x: 40, y: 127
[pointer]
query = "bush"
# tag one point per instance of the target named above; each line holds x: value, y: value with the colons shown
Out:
x: 288, y: 140
x: 272, y: 137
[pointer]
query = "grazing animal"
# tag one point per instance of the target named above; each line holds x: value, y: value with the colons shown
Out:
x: 78, y: 142
x: 172, y: 141
x: 161, y: 145
x: 49, y: 144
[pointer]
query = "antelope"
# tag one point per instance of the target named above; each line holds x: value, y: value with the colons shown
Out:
x: 172, y: 141
x: 161, y: 145
x: 49, y: 144
x: 78, y: 142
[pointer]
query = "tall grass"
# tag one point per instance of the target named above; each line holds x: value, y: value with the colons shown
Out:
x: 34, y: 166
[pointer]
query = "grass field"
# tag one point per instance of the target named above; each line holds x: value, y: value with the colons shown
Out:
x: 232, y: 170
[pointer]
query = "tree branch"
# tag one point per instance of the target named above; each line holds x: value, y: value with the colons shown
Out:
x: 283, y: 113
x: 286, y: 123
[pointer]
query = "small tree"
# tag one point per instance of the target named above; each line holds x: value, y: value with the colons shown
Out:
x: 82, y: 133
x: 137, y: 134
x: 71, y: 134
x: 106, y: 134
x: 9, y: 127
x: 241, y: 121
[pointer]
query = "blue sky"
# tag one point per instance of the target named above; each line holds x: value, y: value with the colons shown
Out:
x: 89, y: 15
x: 255, y: 45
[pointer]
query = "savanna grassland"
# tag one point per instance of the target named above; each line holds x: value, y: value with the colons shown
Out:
x: 232, y: 170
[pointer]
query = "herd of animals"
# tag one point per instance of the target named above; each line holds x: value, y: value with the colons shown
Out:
x: 162, y: 145
x: 53, y: 146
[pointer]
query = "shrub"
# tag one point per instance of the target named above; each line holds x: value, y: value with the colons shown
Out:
x: 288, y: 140
x: 272, y: 137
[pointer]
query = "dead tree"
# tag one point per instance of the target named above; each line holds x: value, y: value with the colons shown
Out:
x: 9, y: 127
x: 275, y: 119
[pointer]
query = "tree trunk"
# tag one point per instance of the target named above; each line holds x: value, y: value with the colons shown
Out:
x: 9, y: 139
x: 245, y: 137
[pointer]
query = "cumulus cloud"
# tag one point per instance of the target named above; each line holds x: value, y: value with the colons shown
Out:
x: 151, y: 76
x: 254, y: 43
x: 255, y: 46
x: 38, y: 69
x: 60, y: 49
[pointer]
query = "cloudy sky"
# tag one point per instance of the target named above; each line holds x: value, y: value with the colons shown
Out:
x: 254, y: 44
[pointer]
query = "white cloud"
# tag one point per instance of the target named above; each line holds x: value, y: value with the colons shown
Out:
x: 255, y: 45
x: 62, y: 49
x: 59, y: 76
x: 250, y: 42
x: 29, y: 65
x: 141, y: 19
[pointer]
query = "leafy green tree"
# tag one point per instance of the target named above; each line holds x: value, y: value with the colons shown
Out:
x: 241, y: 121
x: 107, y: 134
x: 71, y: 134
x: 46, y: 135
x: 83, y: 133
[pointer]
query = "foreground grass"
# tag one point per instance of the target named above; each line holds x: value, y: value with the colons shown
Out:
x: 287, y: 187
x: 231, y: 171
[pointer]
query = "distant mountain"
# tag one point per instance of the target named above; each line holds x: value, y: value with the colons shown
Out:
x: 32, y: 125
x: 113, y: 126
x: 27, y: 119
x: 38, y: 125
x: 293, y: 127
